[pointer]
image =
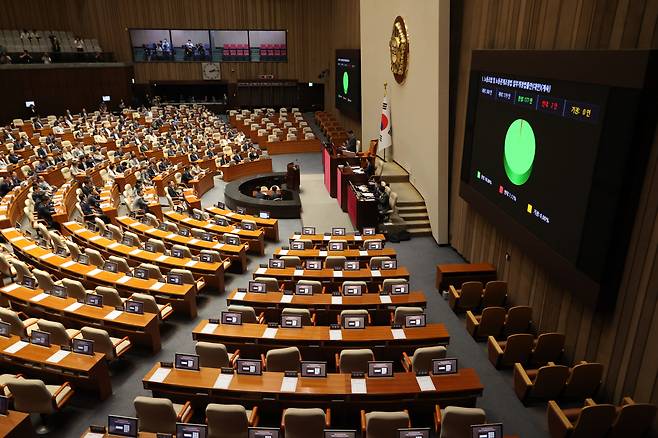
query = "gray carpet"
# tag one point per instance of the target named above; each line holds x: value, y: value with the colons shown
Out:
x: 420, y: 256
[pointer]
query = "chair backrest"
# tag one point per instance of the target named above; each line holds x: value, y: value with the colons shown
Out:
x: 584, y: 380
x: 117, y: 234
x: 332, y: 261
x: 227, y: 421
x: 122, y: 264
x: 100, y: 224
x: 5, y: 267
x: 376, y: 262
x: 58, y: 335
x: 549, y: 382
x: 21, y: 268
x: 470, y: 295
x: 74, y: 288
x: 355, y: 360
x: 304, y: 313
x: 315, y: 285
x: 185, y: 275
x: 423, y: 357
x: 517, y: 349
x: 73, y: 248
x: 183, y: 249
x: 154, y: 271
x: 302, y: 423
x: 10, y: 317
x: 155, y: 414
x: 248, y: 313
x: 495, y: 293
x: 456, y: 421
x: 157, y: 244
x: 633, y: 420
x: 271, y: 283
x: 363, y: 284
x: 594, y: 421
x: 291, y: 261
x: 150, y: 305
x: 548, y: 348
x: 102, y: 342
x: 518, y: 320
x: 150, y: 219
x: 44, y: 279
x: 385, y: 424
x: 492, y: 321
x: 31, y: 395
x: 283, y: 359
x: 95, y: 257
x: 212, y: 354
x: 110, y: 296
x: 402, y: 312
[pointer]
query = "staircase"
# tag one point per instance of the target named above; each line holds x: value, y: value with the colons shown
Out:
x: 411, y: 206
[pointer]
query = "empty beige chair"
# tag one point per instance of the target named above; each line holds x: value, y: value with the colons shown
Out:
x: 402, y: 312
x: 21, y: 269
x: 549, y: 347
x: 113, y: 348
x: 249, y: 222
x: 158, y: 245
x: 35, y: 397
x: 215, y: 254
x: 546, y: 383
x: 102, y: 228
x: 332, y: 261
x: 75, y: 289
x: 364, y: 286
x: 271, y: 283
x: 151, y: 306
x: 150, y: 219
x: 6, y: 269
x: 388, y: 283
x: 57, y: 239
x: 188, y: 278
x: 183, y: 249
x: 354, y: 312
x: 518, y: 320
x: 228, y: 236
x: 230, y: 421
x: 248, y: 314
x: 283, y: 359
x: 378, y: 424
x: 160, y: 414
x: 584, y: 380
x: 468, y: 297
x: 304, y: 422
x: 154, y: 271
x: 517, y: 348
x: 59, y: 335
x: 633, y: 419
x: 122, y: 264
x: 308, y: 244
x: 214, y: 355
x: 44, y: 279
x: 422, y: 358
x: 291, y: 261
x: 316, y: 286
x: 110, y: 296
x: 135, y: 238
x: 74, y: 249
x: 495, y: 294
x: 376, y: 262
x: 592, y: 421
x: 95, y: 257
x: 202, y: 214
x: 490, y: 323
x: 456, y: 422
x: 307, y: 317
x: 171, y: 227
x: 117, y: 234
x: 18, y: 327
x: 354, y: 360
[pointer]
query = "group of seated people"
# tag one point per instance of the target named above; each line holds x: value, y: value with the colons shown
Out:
x: 89, y: 198
x: 273, y: 193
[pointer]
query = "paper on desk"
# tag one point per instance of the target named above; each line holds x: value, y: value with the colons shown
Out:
x: 160, y: 375
x: 73, y: 307
x: 335, y: 335
x: 161, y: 258
x: 194, y: 240
x: 209, y: 328
x: 124, y: 279
x: 296, y: 236
x: 239, y: 296
x: 94, y: 238
x: 94, y: 435
x: 336, y: 300
x: 375, y: 273
x: 11, y: 287
x: 269, y: 333
x: 286, y: 298
x: 93, y: 272
x: 46, y: 256
x: 157, y: 286
x: 187, y: 219
x: 218, y: 246
x: 323, y: 254
x: 398, y: 334
x: 37, y: 298
x: 363, y: 253
x: 57, y: 357
x: 80, y: 230
x: 425, y: 383
x: 338, y: 273
x: 13, y: 348
x: 223, y: 381
x: 358, y: 386
x: 261, y: 271
x: 358, y: 238
x: 298, y: 273
x: 135, y: 251
x: 151, y: 230
x: 113, y: 245
x: 190, y: 263
x: 67, y: 264
x: 16, y: 239
x: 29, y: 247
x: 289, y: 384
x: 113, y: 315
x: 171, y: 236
x: 385, y: 299
x: 283, y: 252
x: 326, y: 237
x: 230, y: 214
x: 235, y: 230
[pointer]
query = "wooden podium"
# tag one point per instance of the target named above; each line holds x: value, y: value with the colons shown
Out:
x: 292, y: 177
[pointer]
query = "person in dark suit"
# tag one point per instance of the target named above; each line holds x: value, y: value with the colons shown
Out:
x: 173, y: 192
x: 194, y: 156
x: 350, y: 143
x: 253, y: 155
x: 42, y: 152
x: 5, y: 186
x: 186, y: 177
x: 236, y: 158
x: 224, y: 160
x: 13, y: 158
x: 209, y: 153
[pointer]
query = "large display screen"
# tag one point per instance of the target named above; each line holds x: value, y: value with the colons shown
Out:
x: 348, y: 82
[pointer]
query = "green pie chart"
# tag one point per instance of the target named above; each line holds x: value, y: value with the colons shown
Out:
x: 519, y: 151
x: 346, y: 82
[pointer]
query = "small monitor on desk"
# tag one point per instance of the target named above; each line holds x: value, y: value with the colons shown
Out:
x: 162, y: 227
x: 416, y: 432
x: 83, y: 259
x: 303, y: 289
x: 494, y: 430
x: 241, y: 210
x: 220, y: 221
x: 297, y: 245
x: 249, y: 366
x: 445, y: 366
x: 141, y: 273
x: 232, y: 240
x: 389, y: 264
x: 111, y: 266
x: 308, y: 231
x: 108, y: 235
x: 413, y: 321
x: 263, y: 432
x: 185, y: 232
x: 37, y: 337
x: 183, y: 361
x: 176, y: 279
x: 380, y: 369
x: 30, y: 282
x: 150, y: 247
x: 354, y: 321
x: 197, y: 216
x: 369, y: 231
x: 335, y: 433
x: 122, y: 426
x: 264, y: 214
x: 61, y: 251
x: 336, y: 246
x: 352, y: 289
x: 5, y: 329
x: 257, y: 287
x: 314, y: 265
x: 313, y: 369
x: 83, y: 346
x: 178, y: 253
x: 29, y: 103
x: 106, y: 98
x: 352, y: 265
x: 400, y: 289
x: 248, y: 226
x: 291, y: 321
x: 232, y: 318
x: 207, y: 258
x: 276, y: 264
x: 221, y: 205
x: 338, y: 231
x: 207, y: 237
x: 373, y: 245
x: 184, y: 430
x: 59, y: 291
x: 94, y: 300
x: 128, y: 241
x: 136, y: 307
x: 4, y: 405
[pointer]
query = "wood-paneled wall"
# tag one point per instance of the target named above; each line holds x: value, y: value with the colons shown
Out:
x: 624, y: 339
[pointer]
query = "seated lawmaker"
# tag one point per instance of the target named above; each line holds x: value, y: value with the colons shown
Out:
x: 173, y: 192
x: 237, y: 159
x: 186, y: 176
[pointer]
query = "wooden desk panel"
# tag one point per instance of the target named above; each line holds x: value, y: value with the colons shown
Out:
x: 246, y: 168
x: 271, y: 226
x: 457, y: 273
x: 291, y: 146
x: 352, y: 239
x: 348, y: 253
x: 333, y: 277
x: 16, y: 425
x: 81, y: 370
x: 204, y: 183
x: 141, y: 329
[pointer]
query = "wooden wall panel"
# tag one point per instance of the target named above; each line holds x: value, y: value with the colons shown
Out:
x: 624, y: 339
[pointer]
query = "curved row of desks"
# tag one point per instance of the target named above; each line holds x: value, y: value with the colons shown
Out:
x: 270, y: 225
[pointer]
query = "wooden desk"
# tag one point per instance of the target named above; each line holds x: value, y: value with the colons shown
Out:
x: 212, y: 273
x: 246, y: 168
x: 64, y: 200
x: 330, y: 163
x: 107, y: 435
x: 345, y: 175
x: 353, y: 254
x: 400, y: 391
x: 16, y: 425
x: 204, y: 183
x: 271, y: 226
x: 141, y: 329
x: 291, y: 146
x: 255, y: 238
x: 326, y: 306
x: 315, y: 342
x: 353, y: 241
x: 181, y: 297
x: 362, y: 211
x: 454, y: 274
x: 237, y: 253
x: 81, y: 370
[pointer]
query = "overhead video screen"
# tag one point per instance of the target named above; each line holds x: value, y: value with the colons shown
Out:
x: 348, y: 82
x: 191, y: 45
x: 230, y: 45
x: 268, y: 45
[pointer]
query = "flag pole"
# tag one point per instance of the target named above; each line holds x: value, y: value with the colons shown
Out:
x: 385, y: 85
